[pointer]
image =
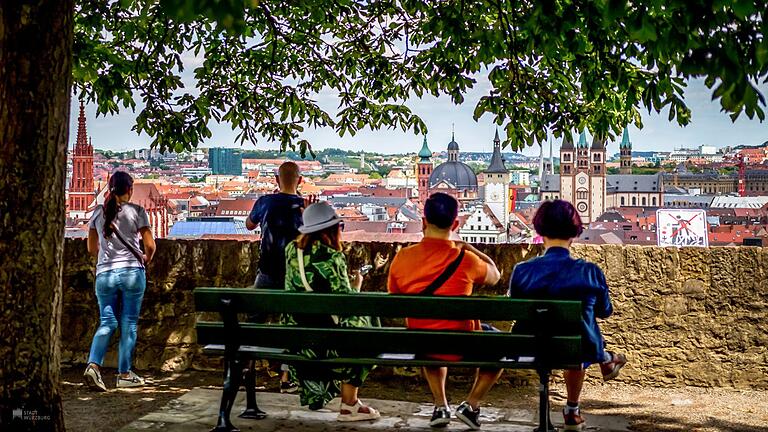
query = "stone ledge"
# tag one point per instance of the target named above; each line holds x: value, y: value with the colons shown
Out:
x: 683, y: 316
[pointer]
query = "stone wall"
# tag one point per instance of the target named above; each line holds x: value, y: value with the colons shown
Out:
x: 683, y: 316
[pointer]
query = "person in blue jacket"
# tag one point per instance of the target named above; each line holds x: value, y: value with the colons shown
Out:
x: 556, y: 275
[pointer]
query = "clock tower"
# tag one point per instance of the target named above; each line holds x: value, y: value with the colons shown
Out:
x: 583, y: 177
x: 497, y: 179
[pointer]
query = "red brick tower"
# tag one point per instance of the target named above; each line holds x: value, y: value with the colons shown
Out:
x: 423, y: 171
x: 81, y: 189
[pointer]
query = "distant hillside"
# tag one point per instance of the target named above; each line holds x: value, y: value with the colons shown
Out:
x: 745, y: 146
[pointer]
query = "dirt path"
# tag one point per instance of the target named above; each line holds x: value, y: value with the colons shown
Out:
x: 648, y: 409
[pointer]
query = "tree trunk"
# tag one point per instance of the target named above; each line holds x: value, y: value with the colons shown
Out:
x: 35, y: 87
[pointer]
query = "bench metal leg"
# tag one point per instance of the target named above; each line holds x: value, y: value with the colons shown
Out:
x: 233, y: 373
x: 252, y: 410
x: 545, y: 422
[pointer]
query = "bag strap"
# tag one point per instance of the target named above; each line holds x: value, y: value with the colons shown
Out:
x: 300, y: 253
x: 125, y: 243
x: 444, y: 276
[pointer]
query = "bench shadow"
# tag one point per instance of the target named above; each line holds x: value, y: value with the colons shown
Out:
x: 651, y: 420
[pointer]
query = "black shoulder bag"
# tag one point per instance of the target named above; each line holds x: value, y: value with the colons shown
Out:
x: 444, y: 276
x: 129, y: 247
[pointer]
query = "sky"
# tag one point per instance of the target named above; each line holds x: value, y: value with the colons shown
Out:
x: 709, y: 126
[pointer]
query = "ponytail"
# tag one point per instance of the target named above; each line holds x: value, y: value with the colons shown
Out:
x: 119, y: 184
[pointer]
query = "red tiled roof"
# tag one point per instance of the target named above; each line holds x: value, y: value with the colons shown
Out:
x: 236, y: 205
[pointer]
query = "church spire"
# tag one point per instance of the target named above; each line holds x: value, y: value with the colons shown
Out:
x: 425, y: 153
x: 551, y: 158
x: 497, y: 162
x: 82, y: 136
x: 583, y: 139
x: 625, y: 142
x: 567, y: 141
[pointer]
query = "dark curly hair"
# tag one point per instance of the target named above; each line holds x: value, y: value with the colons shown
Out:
x: 557, y: 219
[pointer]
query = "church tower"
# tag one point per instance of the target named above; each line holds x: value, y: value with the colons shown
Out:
x: 625, y: 150
x: 597, y: 179
x: 497, y: 179
x: 583, y: 176
x: 576, y: 175
x: 81, y: 190
x: 423, y: 171
x: 567, y: 168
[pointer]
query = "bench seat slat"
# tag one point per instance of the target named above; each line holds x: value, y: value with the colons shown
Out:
x: 367, y: 340
x: 277, y: 354
x: 248, y: 300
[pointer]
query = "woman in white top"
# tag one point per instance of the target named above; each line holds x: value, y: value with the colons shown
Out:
x: 115, y: 230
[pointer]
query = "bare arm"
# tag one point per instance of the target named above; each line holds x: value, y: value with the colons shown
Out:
x: 93, y: 242
x: 149, y: 244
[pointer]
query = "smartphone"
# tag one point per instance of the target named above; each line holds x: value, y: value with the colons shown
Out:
x: 365, y: 269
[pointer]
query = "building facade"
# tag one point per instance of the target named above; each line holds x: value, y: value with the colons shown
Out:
x: 583, y: 177
x: 225, y: 161
x: 583, y: 181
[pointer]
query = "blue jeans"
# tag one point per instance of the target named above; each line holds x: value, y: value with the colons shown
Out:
x: 119, y: 292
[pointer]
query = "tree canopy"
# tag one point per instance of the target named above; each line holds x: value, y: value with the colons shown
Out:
x: 553, y: 65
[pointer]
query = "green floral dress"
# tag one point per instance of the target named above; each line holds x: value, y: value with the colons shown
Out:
x: 326, y: 272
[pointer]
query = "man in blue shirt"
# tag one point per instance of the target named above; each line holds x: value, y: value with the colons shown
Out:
x: 279, y: 215
x: 556, y: 275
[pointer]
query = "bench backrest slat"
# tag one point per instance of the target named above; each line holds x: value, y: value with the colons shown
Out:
x: 358, y: 341
x: 566, y: 313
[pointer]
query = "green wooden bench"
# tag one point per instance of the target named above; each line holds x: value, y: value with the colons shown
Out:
x: 238, y: 342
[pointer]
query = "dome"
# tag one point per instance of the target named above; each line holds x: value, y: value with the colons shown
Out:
x: 453, y: 145
x: 458, y: 174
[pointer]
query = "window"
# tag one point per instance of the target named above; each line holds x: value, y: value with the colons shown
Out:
x: 622, y: 201
x: 644, y: 201
x: 478, y: 218
x: 634, y: 201
x: 654, y: 201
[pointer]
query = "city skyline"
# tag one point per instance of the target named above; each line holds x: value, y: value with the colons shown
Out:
x: 708, y: 127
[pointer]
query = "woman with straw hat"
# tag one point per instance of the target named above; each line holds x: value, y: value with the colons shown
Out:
x: 315, y: 263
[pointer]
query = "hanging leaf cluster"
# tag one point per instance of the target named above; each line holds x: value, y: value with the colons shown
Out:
x: 261, y: 66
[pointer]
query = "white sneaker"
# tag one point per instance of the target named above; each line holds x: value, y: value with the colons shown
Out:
x: 92, y: 378
x: 357, y: 412
x: 133, y: 380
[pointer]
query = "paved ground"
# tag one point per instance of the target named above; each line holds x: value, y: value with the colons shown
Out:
x: 196, y: 411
